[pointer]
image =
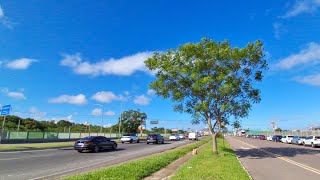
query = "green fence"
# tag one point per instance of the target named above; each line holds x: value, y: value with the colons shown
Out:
x: 50, y: 135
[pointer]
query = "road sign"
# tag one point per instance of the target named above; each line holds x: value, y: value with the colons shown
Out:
x: 154, y: 122
x: 5, y: 110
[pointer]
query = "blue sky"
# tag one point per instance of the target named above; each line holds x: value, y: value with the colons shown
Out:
x: 60, y: 59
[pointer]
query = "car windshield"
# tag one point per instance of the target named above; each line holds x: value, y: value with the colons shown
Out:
x: 173, y: 134
x: 127, y: 135
x: 302, y: 137
x: 290, y: 136
x: 317, y: 137
x: 89, y: 138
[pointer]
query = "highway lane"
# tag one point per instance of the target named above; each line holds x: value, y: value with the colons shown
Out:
x: 55, y: 163
x: 272, y: 160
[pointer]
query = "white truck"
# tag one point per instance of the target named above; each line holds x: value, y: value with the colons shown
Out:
x: 193, y: 136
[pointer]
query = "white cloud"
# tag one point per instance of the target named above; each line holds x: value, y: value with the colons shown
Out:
x: 36, y: 114
x: 278, y: 30
x: 109, y: 113
x: 151, y: 92
x: 16, y: 95
x: 309, y: 55
x: 79, y: 99
x: 142, y: 100
x: 301, y: 7
x: 23, y: 63
x: 1, y: 12
x: 96, y: 112
x: 311, y: 79
x: 124, y: 66
x: 106, y: 97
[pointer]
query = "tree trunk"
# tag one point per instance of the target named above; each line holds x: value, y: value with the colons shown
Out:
x: 214, y: 143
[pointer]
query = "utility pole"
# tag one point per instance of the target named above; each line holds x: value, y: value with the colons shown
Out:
x: 19, y: 124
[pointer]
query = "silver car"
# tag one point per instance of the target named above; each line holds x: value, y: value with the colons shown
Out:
x: 298, y: 140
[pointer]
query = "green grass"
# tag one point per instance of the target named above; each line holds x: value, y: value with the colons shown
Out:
x: 4, y: 147
x: 207, y: 165
x: 138, y: 169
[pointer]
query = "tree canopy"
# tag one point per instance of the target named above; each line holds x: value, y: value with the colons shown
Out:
x: 210, y: 80
x: 131, y: 120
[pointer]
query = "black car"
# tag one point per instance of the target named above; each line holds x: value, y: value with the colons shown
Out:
x: 276, y: 138
x: 155, y: 138
x: 94, y: 144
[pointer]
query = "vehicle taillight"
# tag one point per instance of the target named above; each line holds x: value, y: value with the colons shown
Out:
x: 88, y: 142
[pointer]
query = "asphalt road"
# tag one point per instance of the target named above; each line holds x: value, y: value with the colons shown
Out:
x: 273, y: 160
x: 55, y: 163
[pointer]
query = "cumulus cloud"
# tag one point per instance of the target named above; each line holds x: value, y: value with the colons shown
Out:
x: 142, y: 100
x: 20, y: 64
x: 311, y: 79
x: 79, y: 99
x: 124, y: 66
x: 151, y: 92
x: 4, y: 19
x: 106, y: 97
x: 37, y: 114
x: 110, y: 113
x: 96, y: 112
x: 14, y: 94
x: 302, y: 7
x: 309, y: 55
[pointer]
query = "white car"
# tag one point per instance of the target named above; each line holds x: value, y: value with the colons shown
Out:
x: 130, y: 138
x: 174, y: 137
x: 182, y: 136
x: 312, y: 141
x: 193, y: 136
x: 269, y: 138
x: 287, y: 139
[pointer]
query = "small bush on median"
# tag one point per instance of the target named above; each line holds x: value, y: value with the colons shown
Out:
x: 206, y: 165
x: 139, y: 169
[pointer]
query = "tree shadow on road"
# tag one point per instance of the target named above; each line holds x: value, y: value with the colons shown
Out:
x: 273, y: 152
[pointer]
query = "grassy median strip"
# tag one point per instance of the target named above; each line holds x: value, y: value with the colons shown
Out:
x: 139, y: 169
x: 207, y: 165
x: 5, y: 147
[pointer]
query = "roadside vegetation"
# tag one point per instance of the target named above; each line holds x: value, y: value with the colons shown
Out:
x: 139, y: 169
x: 206, y: 165
x: 4, y: 147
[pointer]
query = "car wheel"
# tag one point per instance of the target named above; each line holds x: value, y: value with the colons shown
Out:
x: 162, y: 141
x: 157, y: 142
x: 138, y: 141
x: 114, y: 146
x: 122, y: 142
x: 312, y: 145
x: 147, y: 142
x: 304, y: 144
x: 96, y: 149
x: 131, y: 141
x: 80, y: 151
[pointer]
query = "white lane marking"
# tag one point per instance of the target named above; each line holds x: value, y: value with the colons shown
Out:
x: 7, y: 159
x: 244, y: 148
x: 284, y: 158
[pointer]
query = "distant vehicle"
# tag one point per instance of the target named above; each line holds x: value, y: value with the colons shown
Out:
x: 94, y: 144
x: 248, y: 136
x: 199, y: 134
x: 286, y: 139
x: 276, y: 138
x: 312, y: 141
x: 193, y: 136
x: 269, y: 138
x: 155, y: 138
x: 174, y: 137
x: 262, y: 137
x: 130, y: 138
x: 206, y: 133
x: 182, y: 136
x: 298, y: 140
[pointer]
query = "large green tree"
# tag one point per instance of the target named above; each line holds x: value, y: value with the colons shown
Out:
x: 130, y: 120
x: 210, y: 80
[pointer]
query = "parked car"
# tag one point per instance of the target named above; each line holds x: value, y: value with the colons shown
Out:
x: 248, y: 136
x: 276, y: 138
x: 182, y: 136
x: 130, y: 138
x: 312, y: 141
x: 286, y: 139
x: 298, y: 140
x: 262, y: 137
x: 94, y: 144
x: 155, y: 138
x: 193, y: 136
x: 269, y: 138
x: 174, y: 137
